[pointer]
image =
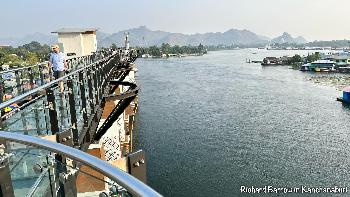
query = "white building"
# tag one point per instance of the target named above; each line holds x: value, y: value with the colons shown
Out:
x: 77, y: 42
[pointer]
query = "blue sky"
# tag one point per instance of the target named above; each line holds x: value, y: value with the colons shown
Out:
x: 313, y: 19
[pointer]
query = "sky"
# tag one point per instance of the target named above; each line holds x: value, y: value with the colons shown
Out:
x: 312, y: 19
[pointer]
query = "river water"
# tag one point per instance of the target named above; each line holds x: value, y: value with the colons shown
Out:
x: 214, y: 123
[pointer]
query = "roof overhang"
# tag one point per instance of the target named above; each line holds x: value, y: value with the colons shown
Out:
x: 75, y: 30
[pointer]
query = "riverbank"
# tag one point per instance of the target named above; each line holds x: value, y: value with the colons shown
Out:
x: 334, y: 80
x: 166, y: 50
x: 171, y: 55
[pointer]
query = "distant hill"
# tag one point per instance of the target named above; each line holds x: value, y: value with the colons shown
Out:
x: 100, y: 35
x: 138, y: 37
x: 39, y: 37
x: 287, y: 38
x: 142, y: 36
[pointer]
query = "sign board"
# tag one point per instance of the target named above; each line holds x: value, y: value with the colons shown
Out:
x: 8, y: 75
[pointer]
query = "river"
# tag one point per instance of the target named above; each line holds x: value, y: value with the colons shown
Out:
x: 214, y: 123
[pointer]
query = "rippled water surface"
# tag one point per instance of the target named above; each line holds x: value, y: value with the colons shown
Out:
x: 211, y: 124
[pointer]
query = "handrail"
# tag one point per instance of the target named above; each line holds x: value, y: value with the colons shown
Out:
x: 17, y: 69
x: 127, y: 181
x: 39, y: 64
x: 22, y: 96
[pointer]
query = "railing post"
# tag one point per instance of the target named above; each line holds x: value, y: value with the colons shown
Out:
x: 50, y: 72
x: 73, y: 113
x: 24, y: 123
x: 37, y: 122
x: 83, y: 98
x: 31, y: 77
x: 91, y: 96
x: 52, y: 111
x: 94, y: 75
x: 6, y: 188
x: 19, y: 86
x: 69, y: 64
x: 41, y: 70
x: 99, y: 87
x: 60, y: 168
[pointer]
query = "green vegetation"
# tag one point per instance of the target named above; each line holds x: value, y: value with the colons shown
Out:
x: 168, y: 50
x: 114, y: 46
x: 296, y: 58
x: 297, y: 61
x: 25, y: 55
x: 313, y: 57
x: 333, y: 44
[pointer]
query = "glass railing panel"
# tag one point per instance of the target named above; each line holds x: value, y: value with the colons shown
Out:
x: 26, y: 164
x: 92, y: 183
x: 29, y: 120
x: 42, y: 186
x: 37, y: 172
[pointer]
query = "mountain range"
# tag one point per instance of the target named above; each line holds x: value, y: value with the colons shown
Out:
x: 18, y: 41
x: 287, y: 38
x: 142, y: 36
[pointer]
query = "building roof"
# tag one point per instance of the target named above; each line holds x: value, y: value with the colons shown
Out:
x: 74, y: 30
x: 323, y: 62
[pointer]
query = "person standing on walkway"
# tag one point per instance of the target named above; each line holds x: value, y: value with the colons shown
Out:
x: 58, y: 63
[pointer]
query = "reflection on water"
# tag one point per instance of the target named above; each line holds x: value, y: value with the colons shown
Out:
x: 214, y: 123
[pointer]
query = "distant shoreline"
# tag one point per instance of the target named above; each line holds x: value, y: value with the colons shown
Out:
x: 147, y: 56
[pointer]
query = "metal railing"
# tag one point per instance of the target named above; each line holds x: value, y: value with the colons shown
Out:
x: 72, y: 117
x: 14, y: 82
x: 127, y: 181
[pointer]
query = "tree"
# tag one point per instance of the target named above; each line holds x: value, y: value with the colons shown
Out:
x: 32, y: 46
x: 154, y: 51
x: 13, y: 60
x: 114, y: 46
x: 31, y: 58
x: 176, y: 49
x: 200, y: 48
x: 296, y: 58
x: 42, y: 51
x: 313, y: 57
x: 165, y: 48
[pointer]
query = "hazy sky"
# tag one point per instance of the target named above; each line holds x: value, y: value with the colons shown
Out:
x: 313, y: 19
